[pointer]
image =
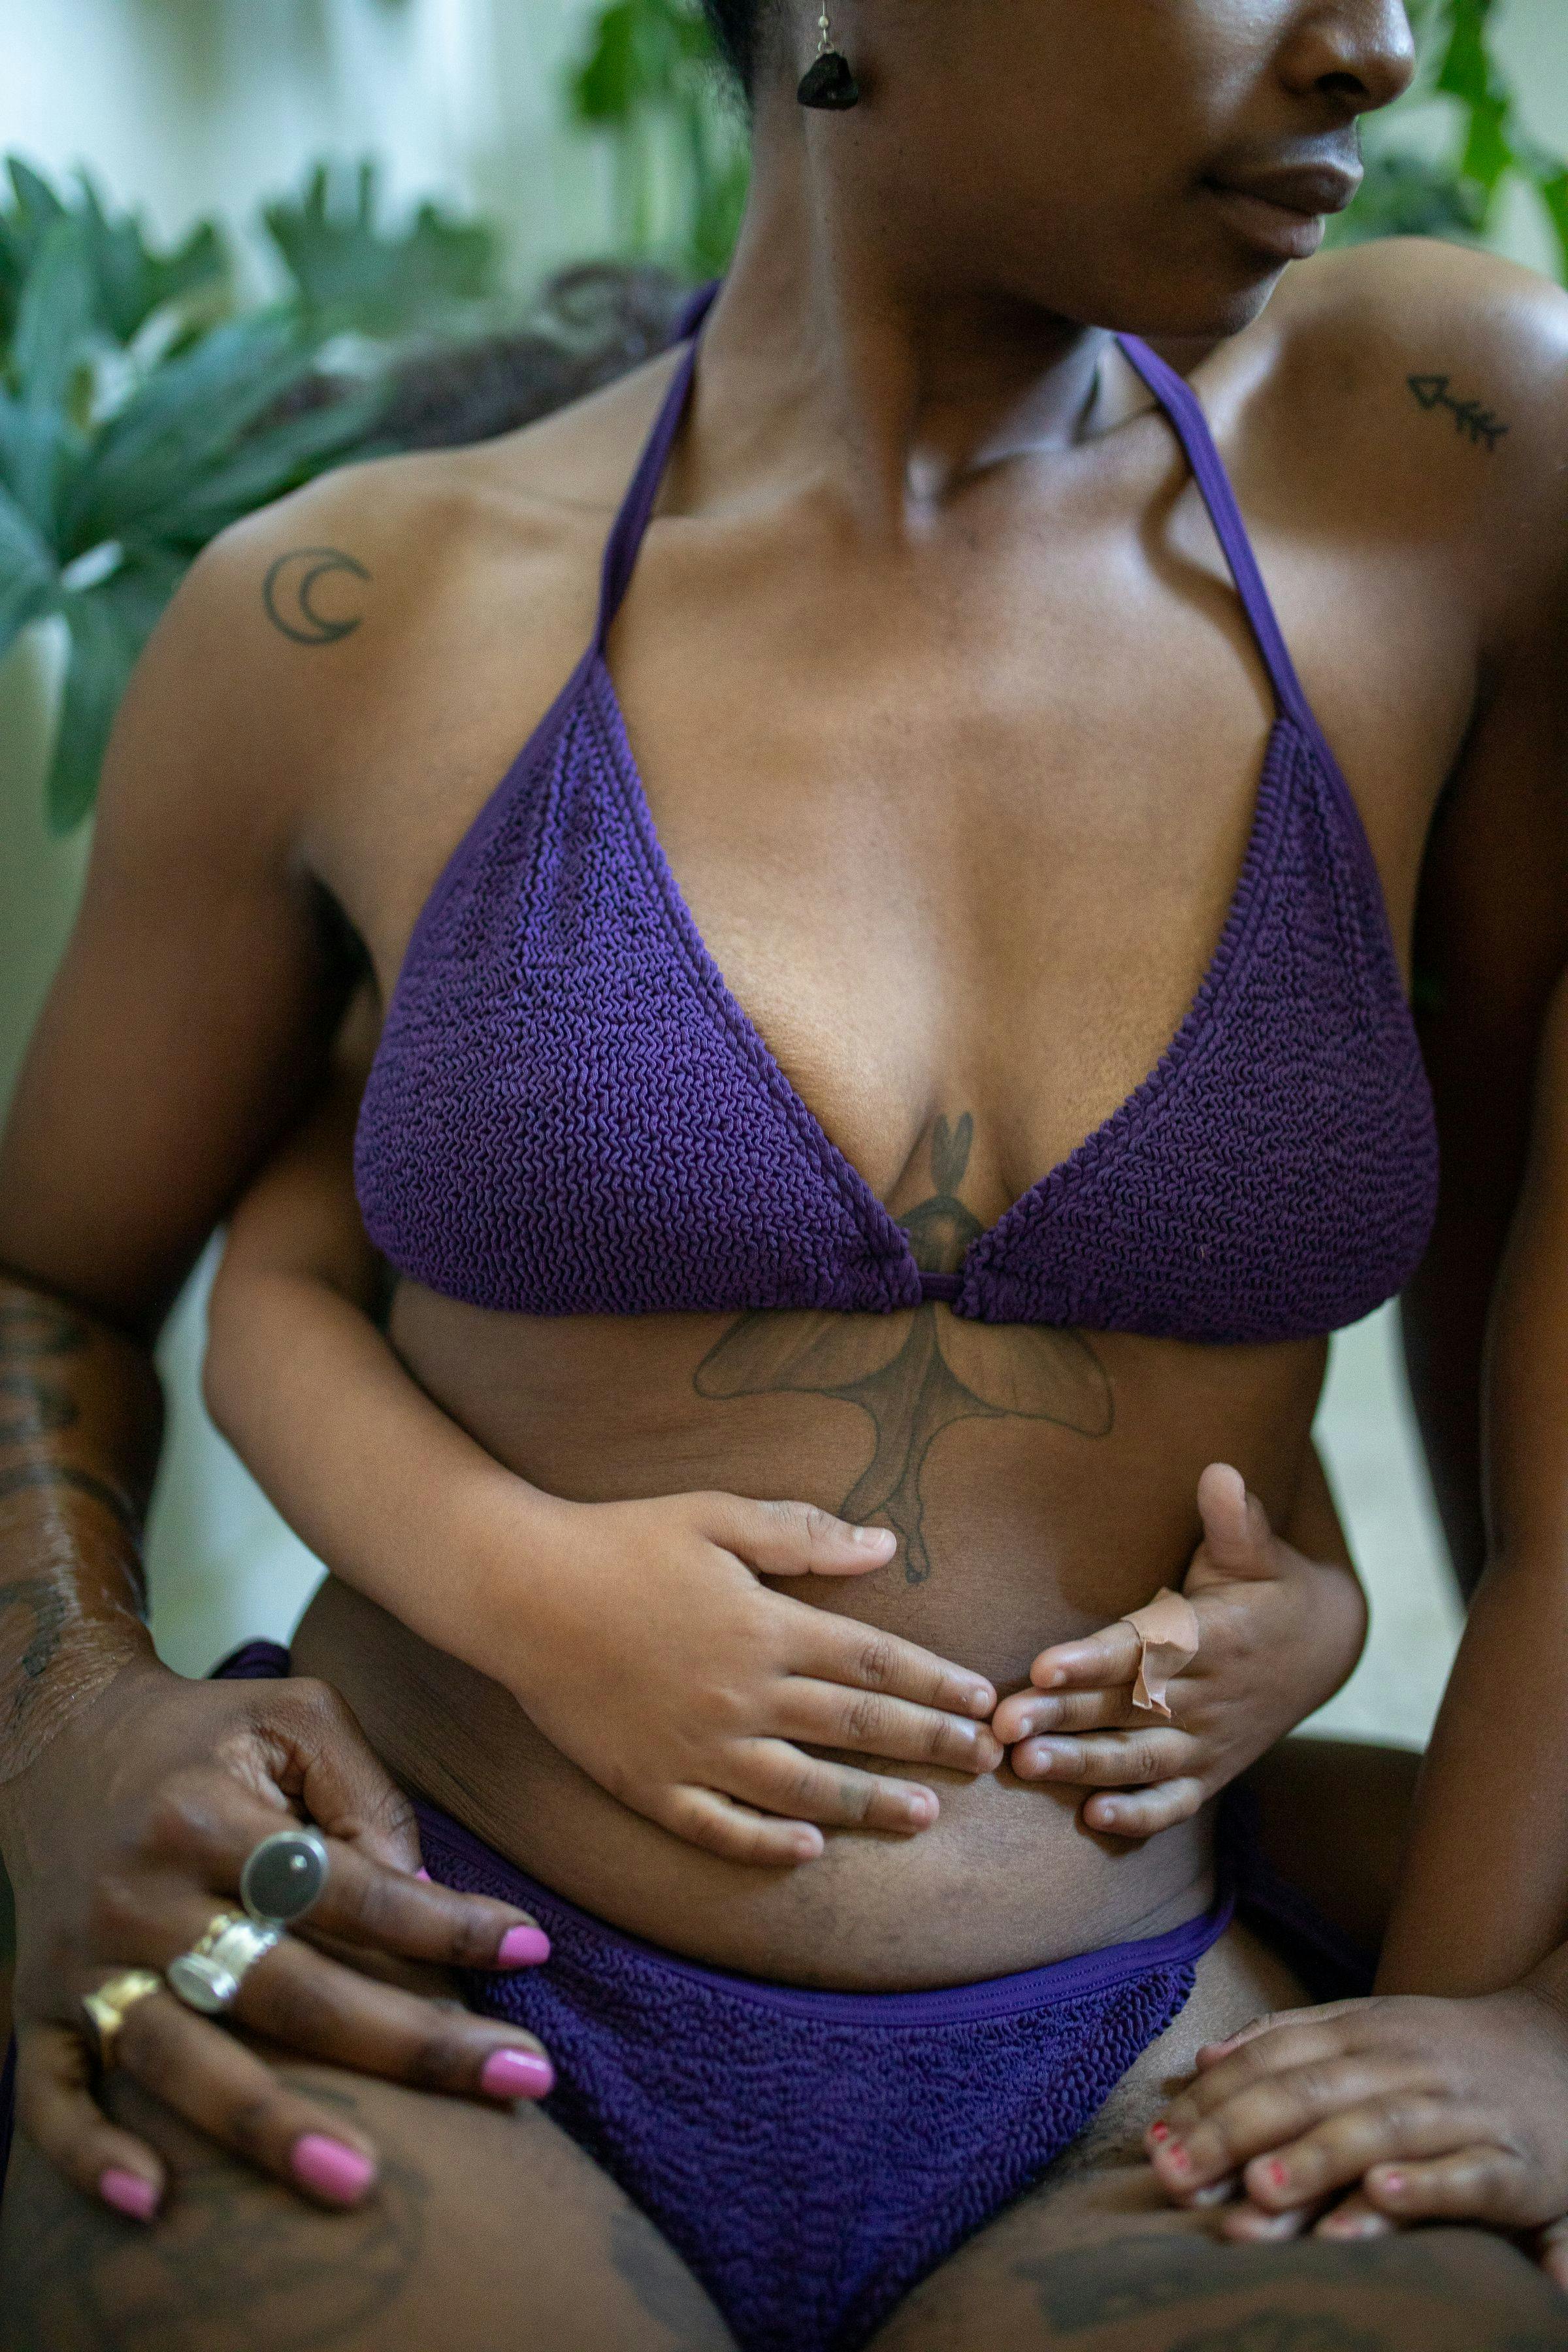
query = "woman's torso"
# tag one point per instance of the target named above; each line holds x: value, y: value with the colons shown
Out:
x: 960, y: 821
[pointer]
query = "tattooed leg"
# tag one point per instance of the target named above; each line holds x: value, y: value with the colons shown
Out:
x: 1094, y: 2259
x: 1129, y: 2278
x: 488, y: 2232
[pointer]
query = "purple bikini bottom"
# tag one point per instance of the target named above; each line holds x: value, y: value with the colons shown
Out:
x: 812, y: 2155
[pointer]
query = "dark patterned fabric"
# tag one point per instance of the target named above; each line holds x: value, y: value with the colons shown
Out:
x: 571, y: 1115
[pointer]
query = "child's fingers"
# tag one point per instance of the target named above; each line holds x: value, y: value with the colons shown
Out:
x: 1238, y: 1538
x: 1116, y: 1759
x: 1029, y: 1711
x: 1477, y: 2183
x: 1354, y: 2216
x: 1095, y: 1661
x: 1212, y: 2052
x: 1235, y: 2114
x: 1378, y: 2132
x: 1246, y: 2225
x: 1144, y: 1812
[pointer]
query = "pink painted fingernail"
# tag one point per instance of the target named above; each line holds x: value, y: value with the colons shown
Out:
x: 522, y: 1948
x: 424, y: 1873
x: 340, y: 2174
x: 1159, y: 2132
x: 1276, y: 2175
x: 1394, y: 2183
x: 517, y: 2074
x: 1362, y: 2225
x: 1176, y: 2156
x: 128, y: 2193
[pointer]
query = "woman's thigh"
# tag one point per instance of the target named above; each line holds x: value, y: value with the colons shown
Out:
x: 1102, y: 2264
x: 1093, y: 2259
x: 489, y: 2231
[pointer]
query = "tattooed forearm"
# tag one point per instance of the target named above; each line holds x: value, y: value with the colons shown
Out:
x: 30, y: 1406
x: 37, y: 1476
x: 32, y: 1327
x: 915, y: 1375
x: 78, y: 1426
x: 295, y: 603
x: 1471, y: 418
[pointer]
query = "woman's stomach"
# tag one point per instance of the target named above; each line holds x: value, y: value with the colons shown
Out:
x: 1040, y: 1484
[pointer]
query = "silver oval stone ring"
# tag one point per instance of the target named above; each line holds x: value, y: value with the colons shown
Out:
x: 284, y: 1876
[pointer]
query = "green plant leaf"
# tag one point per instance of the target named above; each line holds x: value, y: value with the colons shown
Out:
x: 32, y: 210
x: 187, y: 416
x: 350, y: 270
x: 642, y: 55
x: 109, y: 625
x: 650, y: 68
x: 40, y: 453
x: 131, y: 279
x: 268, y: 463
x: 1552, y: 188
x: 1405, y: 196
x: 54, y: 318
x: 29, y: 578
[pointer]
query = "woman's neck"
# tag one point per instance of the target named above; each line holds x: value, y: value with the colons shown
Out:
x: 834, y: 351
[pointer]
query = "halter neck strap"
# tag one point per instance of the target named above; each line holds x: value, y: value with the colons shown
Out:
x: 642, y: 491
x: 1176, y: 396
x: 1180, y: 402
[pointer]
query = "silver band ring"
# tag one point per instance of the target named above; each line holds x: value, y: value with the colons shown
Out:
x: 209, y: 1977
x: 284, y: 1875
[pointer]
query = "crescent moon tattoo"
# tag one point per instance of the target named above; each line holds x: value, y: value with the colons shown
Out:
x: 289, y: 591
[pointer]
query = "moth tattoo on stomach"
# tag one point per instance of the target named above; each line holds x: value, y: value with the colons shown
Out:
x: 916, y: 1372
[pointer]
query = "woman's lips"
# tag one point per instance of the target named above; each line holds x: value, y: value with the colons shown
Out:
x: 1283, y: 215
x: 1279, y: 230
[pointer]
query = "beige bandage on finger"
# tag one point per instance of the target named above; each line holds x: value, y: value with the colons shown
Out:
x: 1167, y: 1628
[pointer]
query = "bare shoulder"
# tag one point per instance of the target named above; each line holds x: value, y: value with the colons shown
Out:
x: 1495, y: 332
x: 325, y: 612
x: 1421, y: 385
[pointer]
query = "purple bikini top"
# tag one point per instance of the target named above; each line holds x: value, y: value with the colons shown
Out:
x: 570, y: 1113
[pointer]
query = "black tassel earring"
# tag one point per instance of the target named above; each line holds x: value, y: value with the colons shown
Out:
x: 828, y: 81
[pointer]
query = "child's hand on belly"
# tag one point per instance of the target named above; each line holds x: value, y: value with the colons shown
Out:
x: 646, y: 1647
x: 1276, y: 1635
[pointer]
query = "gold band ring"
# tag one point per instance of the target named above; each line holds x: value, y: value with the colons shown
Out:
x: 108, y: 2006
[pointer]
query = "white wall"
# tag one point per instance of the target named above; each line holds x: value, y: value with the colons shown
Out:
x: 194, y: 106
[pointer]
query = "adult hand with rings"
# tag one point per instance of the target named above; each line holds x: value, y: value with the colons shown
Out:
x: 188, y: 1873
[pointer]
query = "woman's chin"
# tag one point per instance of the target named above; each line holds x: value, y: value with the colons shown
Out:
x: 1209, y: 317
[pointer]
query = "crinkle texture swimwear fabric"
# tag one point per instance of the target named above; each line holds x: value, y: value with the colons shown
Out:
x: 570, y: 1113
x: 812, y: 2155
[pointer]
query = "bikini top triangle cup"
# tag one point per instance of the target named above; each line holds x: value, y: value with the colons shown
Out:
x: 570, y: 1113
